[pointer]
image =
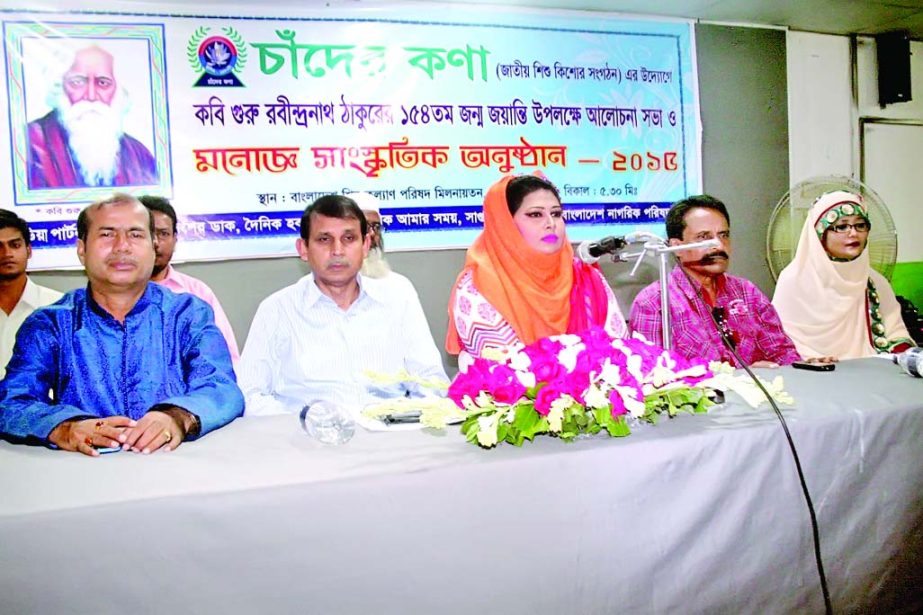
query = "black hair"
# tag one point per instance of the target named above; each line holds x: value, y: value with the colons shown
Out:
x: 522, y: 186
x: 333, y: 206
x: 158, y: 203
x: 8, y: 219
x: 83, y: 219
x: 676, y: 222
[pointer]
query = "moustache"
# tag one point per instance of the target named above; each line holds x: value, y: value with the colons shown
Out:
x: 337, y: 262
x: 84, y: 107
x: 121, y: 261
x: 713, y: 257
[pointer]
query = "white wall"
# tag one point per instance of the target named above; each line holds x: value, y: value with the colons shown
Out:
x: 825, y: 117
x: 867, y: 80
x: 820, y: 109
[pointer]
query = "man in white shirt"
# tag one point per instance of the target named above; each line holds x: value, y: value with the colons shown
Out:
x: 19, y: 296
x: 316, y: 339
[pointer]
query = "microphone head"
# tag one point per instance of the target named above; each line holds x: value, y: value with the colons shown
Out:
x: 911, y: 361
x: 583, y: 253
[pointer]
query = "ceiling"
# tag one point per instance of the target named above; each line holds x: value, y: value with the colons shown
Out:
x: 845, y: 17
x: 827, y: 16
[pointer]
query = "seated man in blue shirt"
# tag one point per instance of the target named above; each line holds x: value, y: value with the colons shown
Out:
x: 123, y: 363
x: 316, y: 339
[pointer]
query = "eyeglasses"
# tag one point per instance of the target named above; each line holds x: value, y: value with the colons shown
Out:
x: 843, y: 227
x: 375, y: 227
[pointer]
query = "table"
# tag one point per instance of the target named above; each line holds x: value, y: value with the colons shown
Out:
x: 700, y: 514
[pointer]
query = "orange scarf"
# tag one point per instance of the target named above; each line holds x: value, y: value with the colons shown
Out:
x: 531, y: 290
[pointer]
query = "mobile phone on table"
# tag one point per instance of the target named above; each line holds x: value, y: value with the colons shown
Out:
x: 814, y: 367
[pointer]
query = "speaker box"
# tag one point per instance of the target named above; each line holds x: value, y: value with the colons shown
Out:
x: 893, y: 67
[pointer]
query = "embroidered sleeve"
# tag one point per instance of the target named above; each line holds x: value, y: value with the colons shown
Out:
x: 887, y: 330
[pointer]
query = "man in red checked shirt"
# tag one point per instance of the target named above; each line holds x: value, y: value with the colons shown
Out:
x: 702, y: 295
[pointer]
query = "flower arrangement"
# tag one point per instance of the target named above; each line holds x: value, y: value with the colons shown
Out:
x: 567, y: 385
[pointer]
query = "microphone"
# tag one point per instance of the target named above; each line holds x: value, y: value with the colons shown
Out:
x: 590, y: 251
x: 911, y: 361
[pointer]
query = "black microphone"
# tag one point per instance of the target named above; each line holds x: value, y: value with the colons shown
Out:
x: 590, y: 251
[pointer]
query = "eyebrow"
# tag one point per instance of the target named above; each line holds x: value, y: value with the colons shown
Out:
x: 116, y: 228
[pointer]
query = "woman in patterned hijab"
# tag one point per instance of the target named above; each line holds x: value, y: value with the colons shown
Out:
x: 830, y: 300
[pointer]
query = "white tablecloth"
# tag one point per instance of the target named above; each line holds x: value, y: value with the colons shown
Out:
x: 700, y: 514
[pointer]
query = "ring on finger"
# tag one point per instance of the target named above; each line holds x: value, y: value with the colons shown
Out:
x: 167, y: 435
x: 88, y: 441
x: 98, y: 425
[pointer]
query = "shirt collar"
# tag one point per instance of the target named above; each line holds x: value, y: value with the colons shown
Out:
x: 171, y: 273
x: 30, y: 294
x: 368, y: 287
x: 685, y: 284
x: 152, y: 296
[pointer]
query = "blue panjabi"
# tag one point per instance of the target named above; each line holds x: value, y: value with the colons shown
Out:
x: 73, y: 359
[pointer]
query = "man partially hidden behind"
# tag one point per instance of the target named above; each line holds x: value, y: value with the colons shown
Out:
x: 165, y: 275
x: 375, y: 265
x: 315, y: 339
x: 124, y: 362
x: 81, y: 141
x: 19, y: 295
x: 743, y: 314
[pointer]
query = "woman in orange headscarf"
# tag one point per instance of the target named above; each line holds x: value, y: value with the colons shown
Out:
x: 521, y: 280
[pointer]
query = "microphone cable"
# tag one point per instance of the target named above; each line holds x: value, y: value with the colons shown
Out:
x: 730, y: 344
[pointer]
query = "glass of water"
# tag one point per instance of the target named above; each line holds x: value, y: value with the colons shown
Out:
x: 327, y: 422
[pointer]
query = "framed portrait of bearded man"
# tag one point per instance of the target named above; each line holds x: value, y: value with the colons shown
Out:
x: 88, y: 111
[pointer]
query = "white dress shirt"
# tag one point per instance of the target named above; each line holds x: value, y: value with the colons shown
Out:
x: 33, y: 297
x: 302, y: 347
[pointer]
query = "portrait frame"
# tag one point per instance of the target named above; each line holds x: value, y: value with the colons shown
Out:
x: 145, y: 41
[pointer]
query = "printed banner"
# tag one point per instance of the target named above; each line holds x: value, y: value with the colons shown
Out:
x: 243, y: 121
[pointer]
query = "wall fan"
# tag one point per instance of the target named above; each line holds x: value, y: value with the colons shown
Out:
x: 790, y: 212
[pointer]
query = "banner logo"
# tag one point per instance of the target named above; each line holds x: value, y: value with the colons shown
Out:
x: 218, y: 59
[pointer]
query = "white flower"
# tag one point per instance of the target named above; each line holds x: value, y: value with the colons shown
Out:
x: 633, y: 365
x: 564, y: 402
x: 568, y: 339
x: 661, y: 375
x: 555, y: 419
x: 483, y: 399
x: 525, y: 378
x: 520, y: 361
x: 610, y: 374
x: 596, y: 398
x: 487, y: 429
x: 634, y: 405
x: 720, y: 367
x: 568, y: 355
x: 495, y: 353
x: 726, y: 380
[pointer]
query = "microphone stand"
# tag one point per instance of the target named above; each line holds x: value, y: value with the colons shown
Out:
x: 658, y: 246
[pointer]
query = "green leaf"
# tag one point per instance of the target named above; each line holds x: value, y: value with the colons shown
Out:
x: 618, y: 428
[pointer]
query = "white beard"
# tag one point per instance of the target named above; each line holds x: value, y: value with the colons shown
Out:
x: 375, y: 265
x: 94, y: 130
